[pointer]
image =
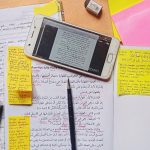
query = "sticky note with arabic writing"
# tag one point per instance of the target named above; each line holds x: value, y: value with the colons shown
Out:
x: 133, y: 75
x: 19, y: 132
x: 19, y: 76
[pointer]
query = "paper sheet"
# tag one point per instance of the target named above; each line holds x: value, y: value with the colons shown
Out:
x: 131, y: 120
x: 19, y: 132
x: 2, y: 54
x: 19, y: 76
x: 48, y: 9
x: 116, y: 34
x: 14, y: 31
x: 117, y: 5
x: 3, y: 48
x: 133, y: 25
x: 133, y: 72
x: 11, y: 34
x: 49, y: 114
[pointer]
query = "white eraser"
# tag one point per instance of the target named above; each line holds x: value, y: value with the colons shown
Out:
x: 93, y: 7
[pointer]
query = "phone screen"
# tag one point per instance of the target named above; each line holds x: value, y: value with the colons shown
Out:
x: 72, y: 46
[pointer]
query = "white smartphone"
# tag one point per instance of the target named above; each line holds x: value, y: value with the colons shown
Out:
x: 71, y: 47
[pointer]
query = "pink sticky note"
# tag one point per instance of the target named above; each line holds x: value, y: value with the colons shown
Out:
x: 133, y: 24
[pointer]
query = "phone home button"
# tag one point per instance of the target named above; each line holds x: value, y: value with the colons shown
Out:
x: 110, y: 58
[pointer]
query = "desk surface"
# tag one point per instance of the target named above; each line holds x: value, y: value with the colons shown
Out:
x: 102, y: 24
x: 14, y: 3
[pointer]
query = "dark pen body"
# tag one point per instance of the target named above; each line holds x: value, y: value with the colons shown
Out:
x: 71, y: 118
x: 1, y: 112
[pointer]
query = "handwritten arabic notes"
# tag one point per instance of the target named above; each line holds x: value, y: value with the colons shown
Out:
x: 19, y: 67
x: 13, y: 31
x: 19, y: 132
x: 50, y: 108
x: 18, y: 76
x: 49, y: 112
x: 133, y: 72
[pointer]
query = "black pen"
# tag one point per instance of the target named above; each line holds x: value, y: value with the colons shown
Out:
x: 71, y: 117
x: 1, y: 112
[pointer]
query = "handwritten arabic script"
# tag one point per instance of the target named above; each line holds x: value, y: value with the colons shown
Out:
x: 134, y: 72
x: 19, y: 132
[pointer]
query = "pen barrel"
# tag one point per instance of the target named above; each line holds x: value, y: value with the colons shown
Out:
x: 71, y: 120
x: 1, y: 112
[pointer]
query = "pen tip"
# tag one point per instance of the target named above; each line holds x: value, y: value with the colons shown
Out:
x: 68, y: 85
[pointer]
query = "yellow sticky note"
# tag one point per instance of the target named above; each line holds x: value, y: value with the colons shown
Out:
x: 48, y: 9
x: 133, y: 76
x: 19, y: 132
x: 19, y: 69
x: 119, y: 5
x: 19, y: 76
x: 116, y: 34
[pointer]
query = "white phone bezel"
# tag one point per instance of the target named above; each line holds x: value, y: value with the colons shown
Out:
x: 109, y: 61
